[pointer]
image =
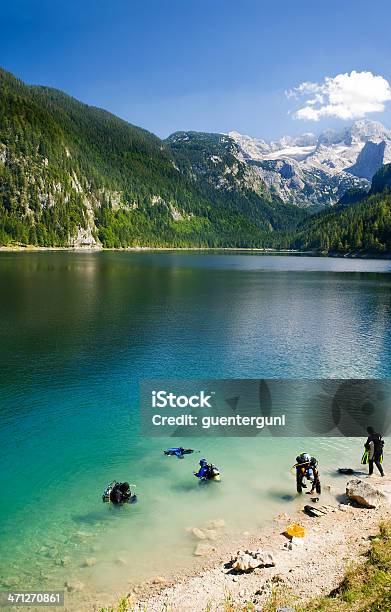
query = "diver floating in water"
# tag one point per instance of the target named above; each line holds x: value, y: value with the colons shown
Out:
x: 306, y: 468
x: 207, y: 471
x: 119, y: 493
x: 179, y: 452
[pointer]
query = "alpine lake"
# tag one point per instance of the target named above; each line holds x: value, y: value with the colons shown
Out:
x: 79, y: 330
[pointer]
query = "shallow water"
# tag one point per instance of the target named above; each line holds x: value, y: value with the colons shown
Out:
x: 77, y: 333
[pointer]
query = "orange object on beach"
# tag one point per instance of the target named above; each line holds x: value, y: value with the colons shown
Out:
x: 295, y: 531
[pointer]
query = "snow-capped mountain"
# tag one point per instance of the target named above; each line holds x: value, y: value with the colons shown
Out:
x: 310, y: 170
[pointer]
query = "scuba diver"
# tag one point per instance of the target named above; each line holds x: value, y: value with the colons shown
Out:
x: 119, y: 493
x: 207, y: 471
x: 373, y: 453
x: 178, y: 452
x: 306, y: 469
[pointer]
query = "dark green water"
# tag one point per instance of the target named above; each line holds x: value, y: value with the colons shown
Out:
x: 78, y: 331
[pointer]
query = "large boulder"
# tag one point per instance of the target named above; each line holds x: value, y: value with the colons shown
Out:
x: 248, y: 560
x: 364, y: 494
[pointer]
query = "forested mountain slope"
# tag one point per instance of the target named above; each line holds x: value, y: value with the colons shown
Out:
x: 72, y: 174
x: 76, y: 175
x: 220, y: 172
x: 363, y: 226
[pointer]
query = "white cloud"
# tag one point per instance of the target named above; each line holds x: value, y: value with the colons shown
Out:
x: 346, y: 96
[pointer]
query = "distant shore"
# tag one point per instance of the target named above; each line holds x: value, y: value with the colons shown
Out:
x: 141, y: 249
x: 87, y: 249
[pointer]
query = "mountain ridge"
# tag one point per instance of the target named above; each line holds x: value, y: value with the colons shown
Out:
x: 75, y: 175
x: 313, y: 170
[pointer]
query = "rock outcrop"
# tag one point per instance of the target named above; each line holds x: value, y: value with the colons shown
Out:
x: 364, y: 494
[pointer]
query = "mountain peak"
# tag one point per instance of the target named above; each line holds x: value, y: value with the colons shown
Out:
x: 320, y: 168
x: 361, y: 131
x: 366, y: 129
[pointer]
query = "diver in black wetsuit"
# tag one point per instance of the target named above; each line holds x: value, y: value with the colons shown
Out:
x: 306, y: 468
x: 120, y: 493
x: 374, y: 445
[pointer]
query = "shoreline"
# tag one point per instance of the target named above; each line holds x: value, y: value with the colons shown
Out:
x: 32, y: 249
x: 313, y: 566
x: 146, y: 249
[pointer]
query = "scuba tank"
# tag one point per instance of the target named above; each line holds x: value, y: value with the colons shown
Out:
x: 107, y: 491
x: 214, y: 473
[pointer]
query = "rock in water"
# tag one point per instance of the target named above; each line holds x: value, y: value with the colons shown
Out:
x: 216, y: 524
x: 74, y: 585
x: 364, y: 494
x: 89, y: 562
x: 63, y: 561
x: 210, y: 534
x: 198, y: 533
x: 203, y: 550
x: 121, y: 561
x: 11, y: 581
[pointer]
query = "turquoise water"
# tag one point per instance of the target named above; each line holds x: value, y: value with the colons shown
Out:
x: 77, y: 333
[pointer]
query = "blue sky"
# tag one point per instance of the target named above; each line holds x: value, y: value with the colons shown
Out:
x: 210, y: 65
